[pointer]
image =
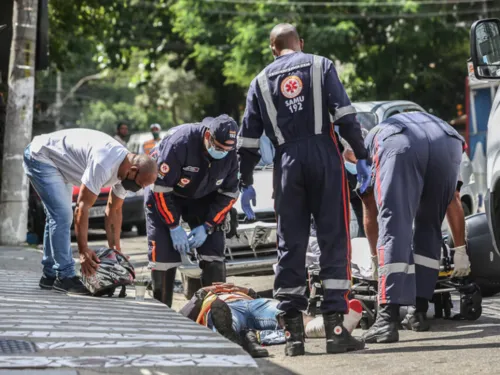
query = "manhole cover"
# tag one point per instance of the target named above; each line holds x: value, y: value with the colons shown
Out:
x: 16, y: 347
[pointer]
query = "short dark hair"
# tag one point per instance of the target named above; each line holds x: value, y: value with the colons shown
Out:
x: 120, y: 125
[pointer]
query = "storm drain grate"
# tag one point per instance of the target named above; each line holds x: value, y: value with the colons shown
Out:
x: 16, y: 347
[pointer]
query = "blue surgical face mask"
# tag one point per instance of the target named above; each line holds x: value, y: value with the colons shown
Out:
x: 216, y: 154
x: 351, y: 167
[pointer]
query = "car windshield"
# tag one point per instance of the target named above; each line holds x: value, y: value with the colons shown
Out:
x: 367, y: 120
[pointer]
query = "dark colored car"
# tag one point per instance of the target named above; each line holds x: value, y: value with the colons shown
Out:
x: 133, y: 212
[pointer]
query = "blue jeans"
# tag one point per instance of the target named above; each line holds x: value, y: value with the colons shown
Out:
x: 258, y: 314
x: 55, y: 194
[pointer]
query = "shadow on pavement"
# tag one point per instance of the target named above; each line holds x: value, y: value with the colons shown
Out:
x: 269, y: 368
x: 427, y: 348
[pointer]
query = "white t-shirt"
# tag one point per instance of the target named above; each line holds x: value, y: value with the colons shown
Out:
x: 83, y: 156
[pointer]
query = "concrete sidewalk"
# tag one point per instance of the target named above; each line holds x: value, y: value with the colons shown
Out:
x: 88, y: 335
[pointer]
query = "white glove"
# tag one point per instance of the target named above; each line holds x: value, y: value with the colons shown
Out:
x: 461, y: 262
x: 374, y: 267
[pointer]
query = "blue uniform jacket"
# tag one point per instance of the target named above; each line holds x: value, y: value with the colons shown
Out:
x: 185, y: 169
x: 401, y: 122
x: 295, y: 97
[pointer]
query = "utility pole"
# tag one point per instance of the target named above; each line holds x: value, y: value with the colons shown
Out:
x: 18, y: 124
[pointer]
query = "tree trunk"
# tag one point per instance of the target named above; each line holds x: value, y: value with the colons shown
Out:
x: 18, y: 124
x: 58, y: 104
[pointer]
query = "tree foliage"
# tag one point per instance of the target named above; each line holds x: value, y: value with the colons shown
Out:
x: 384, y: 49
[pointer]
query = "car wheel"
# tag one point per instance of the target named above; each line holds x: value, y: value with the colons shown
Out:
x: 190, y: 286
x: 141, y: 229
x: 467, y: 210
x: 126, y: 228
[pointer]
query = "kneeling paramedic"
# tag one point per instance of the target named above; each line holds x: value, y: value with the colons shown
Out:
x: 198, y: 181
x: 291, y: 99
x: 416, y: 160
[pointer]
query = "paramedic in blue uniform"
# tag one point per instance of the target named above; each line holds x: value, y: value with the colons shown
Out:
x: 291, y: 100
x: 416, y: 162
x: 198, y: 182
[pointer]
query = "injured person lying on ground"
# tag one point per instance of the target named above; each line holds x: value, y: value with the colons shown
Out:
x: 243, y: 317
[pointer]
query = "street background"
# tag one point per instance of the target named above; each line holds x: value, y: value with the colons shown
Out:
x: 101, y: 63
x: 451, y: 347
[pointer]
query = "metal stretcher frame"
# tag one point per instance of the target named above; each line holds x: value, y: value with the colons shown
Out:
x: 366, y: 291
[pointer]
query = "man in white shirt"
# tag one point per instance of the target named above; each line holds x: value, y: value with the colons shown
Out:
x: 90, y: 159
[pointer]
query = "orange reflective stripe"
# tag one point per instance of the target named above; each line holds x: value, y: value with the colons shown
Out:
x: 220, y: 216
x: 153, y: 252
x: 162, y: 206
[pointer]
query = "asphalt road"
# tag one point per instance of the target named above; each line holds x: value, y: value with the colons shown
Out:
x: 451, y: 347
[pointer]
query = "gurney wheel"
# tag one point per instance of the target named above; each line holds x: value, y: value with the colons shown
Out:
x: 474, y: 314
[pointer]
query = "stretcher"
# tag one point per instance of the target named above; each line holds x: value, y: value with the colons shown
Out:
x: 364, y: 287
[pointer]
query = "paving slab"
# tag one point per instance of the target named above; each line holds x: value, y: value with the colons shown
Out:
x: 90, y: 335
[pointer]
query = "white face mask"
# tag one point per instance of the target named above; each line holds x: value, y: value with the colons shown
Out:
x: 351, y: 167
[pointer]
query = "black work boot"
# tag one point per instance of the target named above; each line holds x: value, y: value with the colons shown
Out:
x: 222, y: 319
x: 385, y: 328
x: 338, y: 338
x: 294, y: 333
x: 252, y: 346
x: 163, y: 285
x: 212, y: 272
x: 416, y: 318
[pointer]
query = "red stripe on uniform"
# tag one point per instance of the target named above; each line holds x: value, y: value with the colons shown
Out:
x: 346, y: 209
x: 382, y: 279
x: 153, y: 252
x: 220, y: 216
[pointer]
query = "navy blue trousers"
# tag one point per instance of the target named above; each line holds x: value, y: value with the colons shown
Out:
x: 310, y: 180
x: 416, y: 174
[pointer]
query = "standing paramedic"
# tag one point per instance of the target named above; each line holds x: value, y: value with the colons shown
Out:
x: 291, y: 100
x: 198, y: 182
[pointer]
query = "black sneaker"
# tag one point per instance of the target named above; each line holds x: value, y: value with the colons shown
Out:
x: 223, y: 321
x: 46, y: 282
x: 71, y: 285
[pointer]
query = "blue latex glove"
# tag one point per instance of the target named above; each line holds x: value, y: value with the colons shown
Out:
x: 364, y: 174
x: 179, y: 239
x: 197, y: 237
x: 247, y: 195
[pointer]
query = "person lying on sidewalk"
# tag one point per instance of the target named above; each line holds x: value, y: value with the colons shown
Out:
x: 240, y: 315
